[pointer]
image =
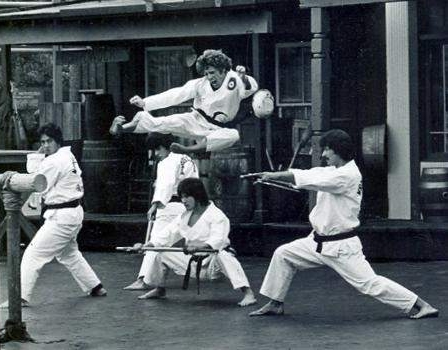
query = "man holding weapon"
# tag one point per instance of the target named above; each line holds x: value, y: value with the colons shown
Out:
x: 205, y: 229
x: 165, y: 204
x: 333, y: 241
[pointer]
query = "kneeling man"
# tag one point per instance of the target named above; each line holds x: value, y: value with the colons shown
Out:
x: 203, y: 226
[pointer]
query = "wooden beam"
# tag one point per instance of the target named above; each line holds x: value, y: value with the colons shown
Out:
x: 202, y: 24
x: 305, y: 4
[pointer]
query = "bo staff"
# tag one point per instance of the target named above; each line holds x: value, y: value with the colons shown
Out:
x: 165, y: 249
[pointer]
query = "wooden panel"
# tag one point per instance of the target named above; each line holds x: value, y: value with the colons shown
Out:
x: 66, y: 115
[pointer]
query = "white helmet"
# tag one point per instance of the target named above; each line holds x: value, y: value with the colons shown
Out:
x: 263, y: 103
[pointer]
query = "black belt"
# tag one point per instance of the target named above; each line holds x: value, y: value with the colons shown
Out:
x: 71, y: 204
x: 320, y: 239
x: 198, y: 259
x: 175, y: 199
x: 212, y: 120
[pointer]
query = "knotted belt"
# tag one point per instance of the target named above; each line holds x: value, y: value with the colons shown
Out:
x: 320, y: 239
x: 71, y: 204
x: 198, y: 259
x: 211, y: 119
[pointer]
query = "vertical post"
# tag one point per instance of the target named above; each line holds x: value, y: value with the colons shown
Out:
x: 6, y: 65
x: 259, y: 211
x: 320, y: 82
x: 402, y: 109
x: 13, y: 261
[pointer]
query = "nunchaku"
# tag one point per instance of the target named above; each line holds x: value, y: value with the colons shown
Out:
x: 164, y: 249
x: 277, y: 183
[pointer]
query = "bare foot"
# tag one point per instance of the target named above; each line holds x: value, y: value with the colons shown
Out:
x: 178, y: 148
x: 137, y: 285
x: 249, y: 297
x: 269, y: 309
x: 156, y: 293
x: 425, y: 311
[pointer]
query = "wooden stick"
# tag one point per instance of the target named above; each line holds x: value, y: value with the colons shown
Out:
x: 278, y: 184
x: 165, y: 249
x: 271, y: 165
x: 149, y: 230
x: 28, y: 182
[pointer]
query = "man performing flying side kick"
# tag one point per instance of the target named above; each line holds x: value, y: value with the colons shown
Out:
x: 333, y: 241
x: 216, y: 100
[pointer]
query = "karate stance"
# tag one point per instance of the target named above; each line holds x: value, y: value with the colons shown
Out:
x: 63, y: 219
x: 216, y: 100
x: 333, y: 241
x: 165, y: 204
x: 204, y: 226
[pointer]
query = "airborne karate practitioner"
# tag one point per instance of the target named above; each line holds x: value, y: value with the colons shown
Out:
x: 216, y: 100
x: 333, y: 241
x: 203, y: 226
x: 63, y: 219
x: 166, y: 204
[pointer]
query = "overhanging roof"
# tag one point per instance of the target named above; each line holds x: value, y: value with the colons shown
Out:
x: 132, y: 28
x: 331, y: 3
x: 114, y: 20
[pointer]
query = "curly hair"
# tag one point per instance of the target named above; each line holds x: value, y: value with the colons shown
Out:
x: 53, y: 131
x: 340, y: 142
x: 213, y: 58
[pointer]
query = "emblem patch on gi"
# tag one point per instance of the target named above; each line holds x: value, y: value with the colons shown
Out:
x: 231, y: 84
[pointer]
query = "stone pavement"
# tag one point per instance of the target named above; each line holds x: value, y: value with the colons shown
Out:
x: 321, y: 312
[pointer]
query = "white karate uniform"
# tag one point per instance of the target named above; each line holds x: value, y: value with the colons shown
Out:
x: 212, y: 228
x: 221, y: 104
x: 170, y: 172
x: 57, y: 236
x: 337, y: 207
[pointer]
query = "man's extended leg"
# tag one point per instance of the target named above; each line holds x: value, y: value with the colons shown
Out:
x: 287, y: 259
x: 356, y: 270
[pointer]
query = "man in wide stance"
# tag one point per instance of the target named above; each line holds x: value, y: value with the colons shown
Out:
x: 203, y: 226
x: 216, y: 100
x: 333, y: 241
x: 63, y: 219
x: 165, y: 204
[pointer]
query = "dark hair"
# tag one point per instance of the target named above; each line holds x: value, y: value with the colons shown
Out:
x: 193, y: 187
x: 53, y: 131
x: 214, y: 58
x: 338, y: 141
x: 155, y: 140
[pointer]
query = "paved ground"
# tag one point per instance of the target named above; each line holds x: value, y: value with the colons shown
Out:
x: 322, y: 312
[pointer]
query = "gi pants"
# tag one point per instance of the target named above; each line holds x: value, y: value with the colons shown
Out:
x: 213, y: 267
x: 164, y: 216
x: 57, y: 239
x: 188, y: 125
x: 345, y: 257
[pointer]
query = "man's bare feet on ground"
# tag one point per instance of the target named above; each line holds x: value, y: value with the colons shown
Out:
x: 269, y: 309
x: 249, y: 299
x: 137, y: 285
x: 156, y: 293
x: 425, y: 311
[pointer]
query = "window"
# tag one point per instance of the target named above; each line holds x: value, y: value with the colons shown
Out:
x: 166, y: 68
x: 293, y: 86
